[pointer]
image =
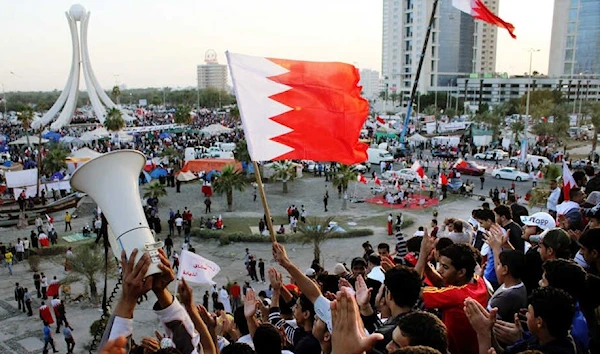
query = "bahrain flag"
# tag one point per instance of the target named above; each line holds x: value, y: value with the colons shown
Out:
x: 299, y: 110
x: 478, y: 10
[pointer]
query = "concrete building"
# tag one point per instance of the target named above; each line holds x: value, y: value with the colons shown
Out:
x: 457, y: 46
x: 212, y: 74
x: 495, y: 90
x: 370, y: 82
x: 575, y: 43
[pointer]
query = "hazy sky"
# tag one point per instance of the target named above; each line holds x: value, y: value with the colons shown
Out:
x: 156, y: 43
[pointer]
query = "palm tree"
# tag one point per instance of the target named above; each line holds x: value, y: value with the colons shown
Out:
x: 315, y: 231
x: 86, y: 261
x: 54, y: 160
x: 284, y: 171
x: 343, y: 176
x: 116, y: 92
x: 171, y: 154
x: 229, y: 180
x: 114, y: 120
x: 155, y: 190
x: 241, y: 151
x: 182, y: 115
x: 25, y: 116
x: 517, y: 128
x: 394, y: 97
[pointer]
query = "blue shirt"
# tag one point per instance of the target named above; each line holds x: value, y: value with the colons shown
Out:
x: 579, y: 331
x: 490, y: 268
x: 47, y: 333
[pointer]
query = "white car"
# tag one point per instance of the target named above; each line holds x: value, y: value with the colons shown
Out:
x: 405, y: 174
x: 491, y: 155
x: 510, y: 173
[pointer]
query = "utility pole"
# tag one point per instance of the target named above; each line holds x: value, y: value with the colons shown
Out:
x: 531, y: 51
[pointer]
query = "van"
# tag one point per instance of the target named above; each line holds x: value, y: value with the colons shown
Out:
x: 376, y: 156
x: 535, y: 160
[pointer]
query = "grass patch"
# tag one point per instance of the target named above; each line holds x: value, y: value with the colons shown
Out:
x: 225, y: 238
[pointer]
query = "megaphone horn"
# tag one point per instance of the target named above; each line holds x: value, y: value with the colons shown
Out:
x: 111, y: 180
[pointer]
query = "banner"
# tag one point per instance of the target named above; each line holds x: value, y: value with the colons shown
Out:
x: 197, y: 269
x: 21, y: 178
x: 152, y: 128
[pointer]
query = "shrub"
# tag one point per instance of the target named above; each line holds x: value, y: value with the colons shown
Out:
x: 34, y: 263
x: 406, y: 222
x: 50, y: 251
x: 352, y: 233
x: 97, y: 327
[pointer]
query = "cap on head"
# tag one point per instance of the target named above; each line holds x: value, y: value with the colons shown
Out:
x: 542, y: 220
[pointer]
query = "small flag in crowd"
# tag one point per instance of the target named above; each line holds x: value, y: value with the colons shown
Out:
x: 197, y: 269
x: 377, y: 180
x: 478, y: 10
x: 299, y: 110
x: 361, y: 178
x: 418, y: 169
x: 568, y: 181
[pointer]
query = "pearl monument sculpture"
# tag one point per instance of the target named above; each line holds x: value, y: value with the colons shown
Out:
x: 67, y: 101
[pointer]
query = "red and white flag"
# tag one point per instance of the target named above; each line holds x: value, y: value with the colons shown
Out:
x: 380, y: 120
x: 540, y: 175
x: 197, y: 269
x: 397, y: 185
x: 377, y: 180
x: 299, y: 110
x: 568, y: 181
x: 478, y: 10
x: 443, y: 180
x: 418, y: 169
x: 361, y: 178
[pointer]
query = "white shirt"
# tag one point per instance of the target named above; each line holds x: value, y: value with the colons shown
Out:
x: 178, y: 222
x: 553, y: 199
x: 44, y: 281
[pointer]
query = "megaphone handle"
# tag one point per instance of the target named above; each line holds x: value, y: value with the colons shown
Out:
x: 152, y: 249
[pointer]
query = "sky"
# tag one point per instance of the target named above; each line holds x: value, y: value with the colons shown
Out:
x: 157, y: 43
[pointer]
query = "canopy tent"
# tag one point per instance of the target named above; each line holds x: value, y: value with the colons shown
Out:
x: 69, y: 140
x: 159, y: 172
x: 417, y: 138
x: 379, y: 135
x: 85, y: 153
x: 96, y: 134
x: 216, y: 129
x: 32, y: 140
x: 54, y: 136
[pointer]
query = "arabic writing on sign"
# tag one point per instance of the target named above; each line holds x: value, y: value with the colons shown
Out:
x: 204, y: 266
x: 188, y: 273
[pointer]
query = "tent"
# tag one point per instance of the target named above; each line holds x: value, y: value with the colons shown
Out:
x: 69, y: 140
x: 216, y: 129
x: 159, y: 172
x: 200, y: 165
x: 186, y: 176
x: 54, y: 136
x: 85, y: 153
x: 96, y: 134
x: 32, y: 140
x: 417, y: 138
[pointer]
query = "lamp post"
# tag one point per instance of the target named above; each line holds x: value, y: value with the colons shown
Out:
x: 531, y: 51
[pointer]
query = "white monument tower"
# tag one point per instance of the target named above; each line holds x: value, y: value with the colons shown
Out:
x: 67, y: 101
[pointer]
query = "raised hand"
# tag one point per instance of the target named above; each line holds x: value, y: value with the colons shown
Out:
x: 185, y: 294
x: 386, y: 264
x: 481, y: 320
x: 250, y: 303
x: 363, y: 293
x: 150, y: 345
x: 344, y: 282
x: 496, y: 237
x: 116, y: 346
x: 162, y: 280
x: 348, y: 335
x: 280, y: 255
x: 275, y: 278
x: 134, y: 282
x: 209, y: 320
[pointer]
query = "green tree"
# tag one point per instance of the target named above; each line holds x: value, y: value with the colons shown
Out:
x: 55, y: 159
x: 315, y: 231
x: 229, y: 180
x: 430, y: 110
x: 394, y: 97
x: 284, y: 171
x: 155, y: 101
x: 116, y: 92
x: 383, y: 96
x: 241, y: 151
x: 155, y: 190
x: 86, y: 261
x: 518, y: 128
x: 235, y: 112
x: 25, y: 116
x: 114, y: 120
x: 342, y: 177
x: 493, y: 120
x: 538, y: 96
x: 182, y: 115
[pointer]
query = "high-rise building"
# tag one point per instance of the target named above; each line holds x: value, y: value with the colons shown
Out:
x: 370, y: 82
x: 457, y: 46
x: 212, y: 74
x: 575, y: 44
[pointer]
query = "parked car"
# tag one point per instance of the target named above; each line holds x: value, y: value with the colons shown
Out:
x: 405, y: 174
x: 469, y: 168
x: 491, y: 155
x: 510, y: 173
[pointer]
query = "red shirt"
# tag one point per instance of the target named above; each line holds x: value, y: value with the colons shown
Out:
x: 235, y: 291
x: 461, y: 336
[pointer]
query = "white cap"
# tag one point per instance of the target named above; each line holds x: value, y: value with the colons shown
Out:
x: 309, y: 272
x: 542, y: 220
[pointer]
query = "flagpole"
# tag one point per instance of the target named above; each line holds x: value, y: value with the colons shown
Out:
x: 418, y: 74
x: 263, y: 197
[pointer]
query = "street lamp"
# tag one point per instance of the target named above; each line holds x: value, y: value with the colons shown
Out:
x: 531, y: 51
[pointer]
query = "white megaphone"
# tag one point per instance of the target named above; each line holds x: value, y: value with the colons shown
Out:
x: 111, y: 180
